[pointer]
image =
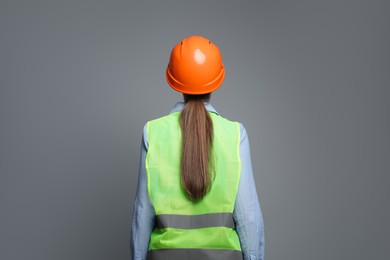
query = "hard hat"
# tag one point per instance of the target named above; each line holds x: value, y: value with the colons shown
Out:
x: 195, y: 66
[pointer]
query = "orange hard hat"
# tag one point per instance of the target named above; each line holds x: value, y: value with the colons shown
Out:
x: 195, y: 66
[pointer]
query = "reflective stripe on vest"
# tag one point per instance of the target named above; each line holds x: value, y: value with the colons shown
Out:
x: 194, y: 254
x: 195, y: 221
x: 204, y: 228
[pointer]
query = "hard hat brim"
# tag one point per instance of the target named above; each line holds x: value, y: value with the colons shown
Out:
x: 195, y: 90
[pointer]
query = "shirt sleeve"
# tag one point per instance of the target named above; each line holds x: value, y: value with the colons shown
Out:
x: 143, y: 212
x: 247, y: 211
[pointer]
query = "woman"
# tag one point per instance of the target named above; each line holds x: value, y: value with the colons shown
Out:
x: 196, y: 196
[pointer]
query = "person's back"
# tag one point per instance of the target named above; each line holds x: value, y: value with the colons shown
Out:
x: 191, y: 197
x: 205, y: 226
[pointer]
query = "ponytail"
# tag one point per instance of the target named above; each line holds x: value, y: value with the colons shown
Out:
x: 197, y: 138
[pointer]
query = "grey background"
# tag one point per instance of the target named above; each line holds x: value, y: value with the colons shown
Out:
x: 308, y: 79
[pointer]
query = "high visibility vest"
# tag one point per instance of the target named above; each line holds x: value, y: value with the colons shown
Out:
x: 186, y: 229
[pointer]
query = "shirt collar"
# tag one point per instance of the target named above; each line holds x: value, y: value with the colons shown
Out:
x: 179, y: 106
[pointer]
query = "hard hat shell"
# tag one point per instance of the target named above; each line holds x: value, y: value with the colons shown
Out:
x: 195, y: 66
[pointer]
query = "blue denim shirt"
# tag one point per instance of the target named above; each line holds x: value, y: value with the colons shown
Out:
x: 247, y: 212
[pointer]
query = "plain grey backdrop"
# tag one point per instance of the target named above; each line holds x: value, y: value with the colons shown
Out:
x: 308, y: 79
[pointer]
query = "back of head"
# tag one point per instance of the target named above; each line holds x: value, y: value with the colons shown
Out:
x: 195, y: 66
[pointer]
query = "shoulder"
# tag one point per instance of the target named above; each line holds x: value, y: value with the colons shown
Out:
x: 167, y: 119
x: 225, y: 124
x: 159, y: 126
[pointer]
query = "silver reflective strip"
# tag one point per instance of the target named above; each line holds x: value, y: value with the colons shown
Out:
x: 195, y: 221
x: 194, y: 254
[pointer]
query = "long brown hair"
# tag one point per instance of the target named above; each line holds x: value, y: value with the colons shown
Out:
x: 197, y: 139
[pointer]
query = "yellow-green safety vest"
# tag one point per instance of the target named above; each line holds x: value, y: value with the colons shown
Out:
x: 186, y: 229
